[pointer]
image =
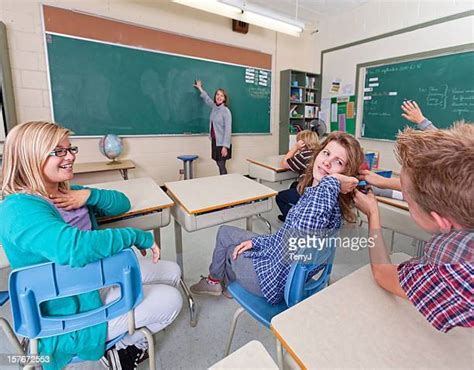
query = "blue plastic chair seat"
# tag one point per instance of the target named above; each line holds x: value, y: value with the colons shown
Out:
x: 256, y: 306
x: 187, y: 158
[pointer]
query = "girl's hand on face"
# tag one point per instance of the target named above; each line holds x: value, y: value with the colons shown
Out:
x: 71, y: 199
x: 348, y: 183
x: 366, y: 203
x: 301, y: 145
x: 241, y: 248
x: 155, y: 252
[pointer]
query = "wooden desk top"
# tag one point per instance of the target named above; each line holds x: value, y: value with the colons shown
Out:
x: 272, y: 163
x: 354, y: 323
x: 144, y: 194
x: 394, y: 202
x: 206, y: 194
x: 88, y: 167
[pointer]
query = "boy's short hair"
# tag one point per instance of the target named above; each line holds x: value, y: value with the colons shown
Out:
x: 440, y: 165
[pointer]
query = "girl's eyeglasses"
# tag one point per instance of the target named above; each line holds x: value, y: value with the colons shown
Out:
x: 62, y: 152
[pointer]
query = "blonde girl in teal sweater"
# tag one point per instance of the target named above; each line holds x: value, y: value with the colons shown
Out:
x: 46, y: 220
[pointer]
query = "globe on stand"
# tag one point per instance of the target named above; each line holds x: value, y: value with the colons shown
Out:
x: 111, y: 146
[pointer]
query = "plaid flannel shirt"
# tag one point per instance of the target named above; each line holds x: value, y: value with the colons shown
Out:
x: 317, y: 209
x: 441, y: 283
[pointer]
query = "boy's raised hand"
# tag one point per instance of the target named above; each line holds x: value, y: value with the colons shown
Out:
x: 412, y: 112
x: 366, y: 203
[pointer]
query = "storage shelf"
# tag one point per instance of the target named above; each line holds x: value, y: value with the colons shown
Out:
x: 307, y: 102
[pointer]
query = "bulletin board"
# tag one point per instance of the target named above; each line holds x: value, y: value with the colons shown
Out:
x: 343, y: 115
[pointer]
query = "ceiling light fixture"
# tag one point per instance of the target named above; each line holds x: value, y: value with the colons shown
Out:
x: 242, y: 11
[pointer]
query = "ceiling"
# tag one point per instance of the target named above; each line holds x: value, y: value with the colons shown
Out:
x: 309, y: 11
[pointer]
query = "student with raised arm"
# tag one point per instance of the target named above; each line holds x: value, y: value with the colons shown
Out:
x: 44, y: 219
x: 220, y: 126
x: 437, y: 180
x: 412, y: 113
x: 259, y: 262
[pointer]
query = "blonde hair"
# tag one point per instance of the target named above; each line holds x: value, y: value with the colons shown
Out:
x: 440, y: 165
x: 355, y: 158
x: 26, y: 150
x: 310, y: 139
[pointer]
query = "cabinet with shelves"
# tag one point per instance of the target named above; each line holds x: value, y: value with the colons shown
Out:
x: 300, y: 97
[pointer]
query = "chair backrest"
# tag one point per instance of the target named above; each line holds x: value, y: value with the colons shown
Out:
x: 33, y: 285
x: 310, y: 262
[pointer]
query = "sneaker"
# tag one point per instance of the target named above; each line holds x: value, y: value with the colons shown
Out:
x: 281, y: 218
x: 123, y: 359
x: 204, y: 287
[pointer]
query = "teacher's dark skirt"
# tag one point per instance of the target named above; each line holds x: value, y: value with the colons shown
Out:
x: 216, y: 152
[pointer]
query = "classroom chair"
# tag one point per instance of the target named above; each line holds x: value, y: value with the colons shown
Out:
x: 30, y: 286
x: 300, y: 284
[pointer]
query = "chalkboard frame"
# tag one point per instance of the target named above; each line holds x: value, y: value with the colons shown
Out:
x: 362, y: 68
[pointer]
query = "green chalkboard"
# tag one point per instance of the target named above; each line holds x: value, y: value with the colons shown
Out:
x: 443, y: 87
x: 100, y: 88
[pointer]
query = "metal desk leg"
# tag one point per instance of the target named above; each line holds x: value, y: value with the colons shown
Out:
x: 157, y: 237
x: 248, y: 223
x: 124, y: 173
x: 178, y: 237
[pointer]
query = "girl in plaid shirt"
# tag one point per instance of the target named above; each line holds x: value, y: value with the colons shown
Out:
x: 258, y: 262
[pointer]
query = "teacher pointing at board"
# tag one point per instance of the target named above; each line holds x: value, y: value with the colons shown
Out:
x: 220, y: 126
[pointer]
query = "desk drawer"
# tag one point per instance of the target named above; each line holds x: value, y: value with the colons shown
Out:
x: 148, y: 221
x: 202, y: 221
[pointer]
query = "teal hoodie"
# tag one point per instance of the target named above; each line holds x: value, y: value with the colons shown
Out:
x: 32, y: 231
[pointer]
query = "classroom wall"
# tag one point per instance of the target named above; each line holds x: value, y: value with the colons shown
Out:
x: 154, y: 157
x: 375, y: 18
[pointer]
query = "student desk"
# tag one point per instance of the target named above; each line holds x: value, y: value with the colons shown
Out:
x: 150, y: 205
x: 269, y: 169
x: 253, y: 355
x: 209, y: 201
x: 355, y: 323
x: 89, y: 167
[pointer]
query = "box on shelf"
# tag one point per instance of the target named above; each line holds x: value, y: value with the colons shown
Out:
x: 296, y: 94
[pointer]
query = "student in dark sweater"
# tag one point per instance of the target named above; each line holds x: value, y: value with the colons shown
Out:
x: 220, y: 126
